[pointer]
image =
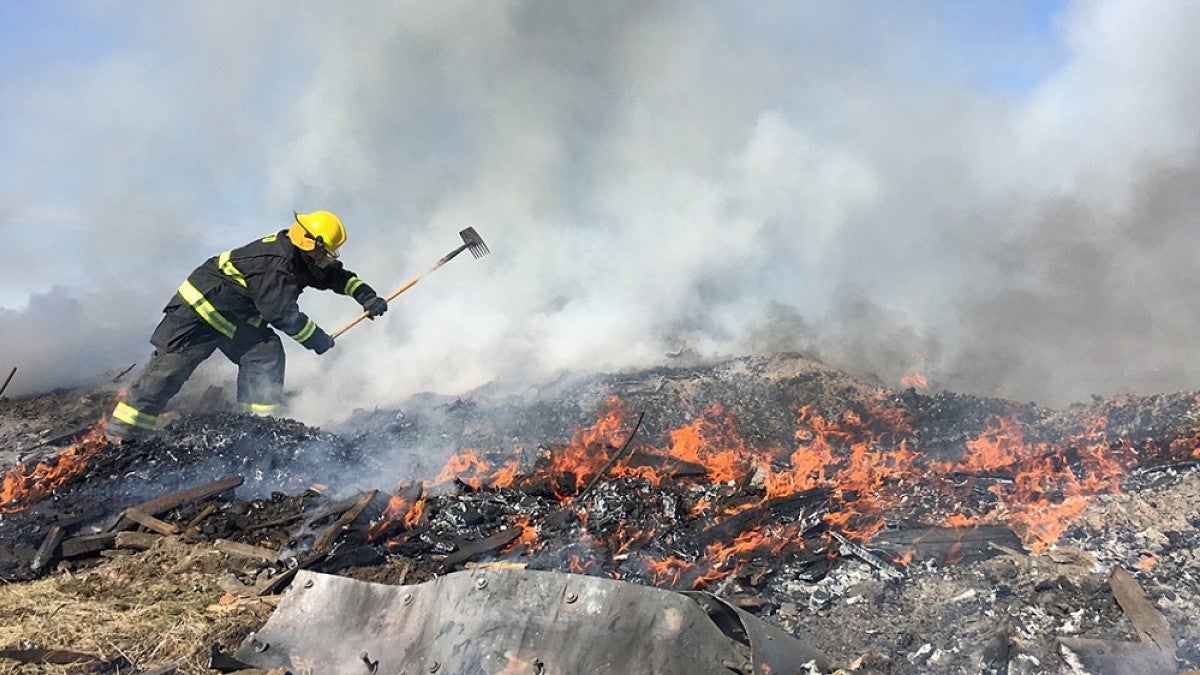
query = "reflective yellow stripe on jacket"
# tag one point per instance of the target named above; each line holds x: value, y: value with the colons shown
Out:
x: 228, y: 268
x: 226, y: 265
x: 306, y: 332
x: 192, y: 296
x: 352, y: 285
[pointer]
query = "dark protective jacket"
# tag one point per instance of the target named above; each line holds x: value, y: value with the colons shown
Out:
x: 262, y: 281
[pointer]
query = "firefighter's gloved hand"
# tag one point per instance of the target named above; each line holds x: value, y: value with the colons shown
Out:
x: 320, y: 342
x: 374, y: 306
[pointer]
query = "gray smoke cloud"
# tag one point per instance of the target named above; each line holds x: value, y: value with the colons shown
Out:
x: 650, y: 176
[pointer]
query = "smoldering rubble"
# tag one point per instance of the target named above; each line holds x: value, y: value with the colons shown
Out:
x: 887, y: 530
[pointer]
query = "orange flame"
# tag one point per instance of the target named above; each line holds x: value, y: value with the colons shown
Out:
x: 912, y: 378
x: 712, y: 441
x: 528, y: 537
x: 862, y: 459
x: 24, y: 486
x: 855, y: 456
x: 1047, y: 494
x: 589, y: 448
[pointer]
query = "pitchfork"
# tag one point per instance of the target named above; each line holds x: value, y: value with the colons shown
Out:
x: 471, y: 242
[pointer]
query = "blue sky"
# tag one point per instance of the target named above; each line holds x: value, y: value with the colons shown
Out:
x: 861, y: 180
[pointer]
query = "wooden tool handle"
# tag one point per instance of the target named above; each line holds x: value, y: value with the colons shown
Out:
x: 407, y: 285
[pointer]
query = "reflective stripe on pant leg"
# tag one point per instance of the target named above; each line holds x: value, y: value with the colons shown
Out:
x: 134, y: 417
x: 259, y: 409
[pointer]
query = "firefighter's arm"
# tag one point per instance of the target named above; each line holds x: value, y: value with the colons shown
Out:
x: 350, y: 284
x: 276, y: 298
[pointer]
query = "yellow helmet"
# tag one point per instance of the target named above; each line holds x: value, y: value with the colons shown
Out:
x: 321, y: 225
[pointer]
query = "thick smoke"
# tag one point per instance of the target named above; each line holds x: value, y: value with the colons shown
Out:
x: 850, y: 180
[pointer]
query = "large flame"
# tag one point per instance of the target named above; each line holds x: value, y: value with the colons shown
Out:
x: 862, y: 460
x: 23, y: 485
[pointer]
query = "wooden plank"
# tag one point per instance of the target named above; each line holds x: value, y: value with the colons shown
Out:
x: 58, y: 657
x: 482, y: 546
x: 1108, y: 656
x: 58, y: 441
x: 947, y: 546
x: 245, y: 550
x: 49, y: 549
x: 1146, y: 619
x: 333, y: 531
x: 335, y: 509
x: 193, y: 525
x: 88, y: 543
x: 136, y: 541
x: 160, y: 505
x: 150, y: 522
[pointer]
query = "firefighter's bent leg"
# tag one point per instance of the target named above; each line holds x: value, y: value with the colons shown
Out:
x: 259, y: 355
x: 179, y: 351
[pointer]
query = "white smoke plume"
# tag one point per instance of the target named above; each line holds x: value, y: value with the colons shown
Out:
x: 840, y: 178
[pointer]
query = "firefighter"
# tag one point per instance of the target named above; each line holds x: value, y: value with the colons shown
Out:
x: 231, y: 303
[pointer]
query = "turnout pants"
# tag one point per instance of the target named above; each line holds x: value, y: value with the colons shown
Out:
x: 182, y: 341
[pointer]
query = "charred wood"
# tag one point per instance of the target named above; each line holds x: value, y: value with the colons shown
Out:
x: 136, y: 541
x: 485, y: 545
x: 245, y: 550
x: 611, y: 460
x: 88, y: 543
x: 1108, y: 656
x: 801, y: 506
x: 343, y: 522
x: 945, y: 545
x: 160, y: 505
x: 671, y: 466
x: 49, y: 549
x: 343, y: 557
x: 150, y: 522
x: 57, y: 657
x: 123, y: 373
x: 864, y: 554
x: 61, y: 440
x: 193, y: 525
x: 1147, y: 621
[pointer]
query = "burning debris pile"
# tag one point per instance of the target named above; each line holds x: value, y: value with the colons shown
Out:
x: 895, y: 531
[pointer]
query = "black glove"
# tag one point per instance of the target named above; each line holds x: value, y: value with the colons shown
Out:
x: 320, y: 342
x: 374, y: 306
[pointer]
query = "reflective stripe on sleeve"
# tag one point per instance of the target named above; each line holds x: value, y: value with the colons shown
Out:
x: 132, y: 416
x: 270, y: 238
x: 306, y: 332
x: 352, y: 285
x: 205, y: 309
x: 229, y: 269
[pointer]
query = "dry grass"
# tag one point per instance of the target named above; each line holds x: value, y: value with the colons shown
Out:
x: 153, y: 608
